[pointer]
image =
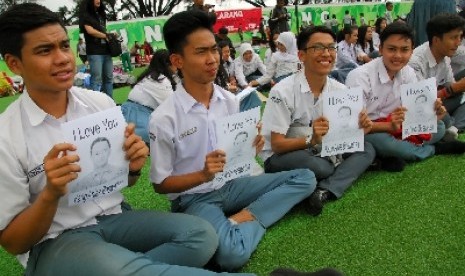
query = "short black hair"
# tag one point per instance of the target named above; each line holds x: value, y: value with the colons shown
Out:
x: 98, y: 140
x: 443, y: 23
x: 182, y: 24
x: 20, y: 19
x: 306, y: 33
x: 397, y: 28
x: 223, y: 30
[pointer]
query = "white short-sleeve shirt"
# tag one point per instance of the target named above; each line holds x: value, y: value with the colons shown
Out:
x: 29, y: 133
x: 182, y: 133
x: 291, y: 107
x: 346, y: 55
x: 425, y: 65
x: 150, y: 92
x: 381, y: 94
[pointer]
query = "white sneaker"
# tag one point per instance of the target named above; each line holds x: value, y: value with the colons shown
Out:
x: 452, y: 133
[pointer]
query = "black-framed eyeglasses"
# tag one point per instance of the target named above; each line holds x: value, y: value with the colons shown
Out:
x: 319, y: 49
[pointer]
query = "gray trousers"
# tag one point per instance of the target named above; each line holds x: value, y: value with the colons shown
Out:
x: 456, y: 111
x: 334, y: 179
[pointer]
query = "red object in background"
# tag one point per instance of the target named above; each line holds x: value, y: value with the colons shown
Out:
x: 248, y: 19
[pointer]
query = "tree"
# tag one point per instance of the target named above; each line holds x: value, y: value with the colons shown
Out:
x: 147, y: 8
x: 5, y: 4
x: 256, y: 3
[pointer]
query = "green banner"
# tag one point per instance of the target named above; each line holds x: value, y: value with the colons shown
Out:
x: 151, y: 29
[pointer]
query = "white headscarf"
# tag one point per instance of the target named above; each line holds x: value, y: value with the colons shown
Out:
x: 289, y: 41
x: 244, y: 48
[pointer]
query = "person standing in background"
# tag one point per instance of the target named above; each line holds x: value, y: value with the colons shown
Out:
x: 125, y: 57
x: 388, y: 13
x: 280, y: 17
x: 81, y: 50
x: 92, y: 23
x: 422, y: 11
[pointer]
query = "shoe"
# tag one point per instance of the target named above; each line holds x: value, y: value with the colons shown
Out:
x: 392, y: 164
x: 316, y: 200
x: 292, y: 272
x: 452, y: 147
x: 452, y: 133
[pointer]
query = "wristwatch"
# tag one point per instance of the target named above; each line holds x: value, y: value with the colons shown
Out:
x: 308, y: 141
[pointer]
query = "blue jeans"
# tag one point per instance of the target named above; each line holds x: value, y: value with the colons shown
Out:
x: 268, y: 197
x: 387, y: 145
x: 456, y: 111
x: 101, y: 73
x: 334, y: 179
x: 130, y: 243
x: 139, y: 115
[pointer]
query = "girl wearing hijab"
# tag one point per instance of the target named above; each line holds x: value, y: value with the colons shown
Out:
x: 283, y: 63
x: 248, y: 65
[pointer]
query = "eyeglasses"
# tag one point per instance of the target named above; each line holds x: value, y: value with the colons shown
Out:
x: 319, y: 49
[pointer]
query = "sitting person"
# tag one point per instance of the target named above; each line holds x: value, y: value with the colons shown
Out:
x: 380, y: 25
x: 271, y: 48
x: 248, y: 66
x: 293, y: 124
x: 185, y: 156
x: 346, y: 52
x: 432, y: 59
x: 225, y: 78
x: 102, y: 236
x: 152, y: 87
x: 283, y: 62
x: 364, y: 47
x: 380, y: 80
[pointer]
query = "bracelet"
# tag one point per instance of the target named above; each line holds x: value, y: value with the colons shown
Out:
x: 134, y: 173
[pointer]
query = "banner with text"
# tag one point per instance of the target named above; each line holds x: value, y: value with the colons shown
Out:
x: 246, y: 19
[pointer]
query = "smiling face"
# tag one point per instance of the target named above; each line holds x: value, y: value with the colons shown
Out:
x: 315, y: 62
x: 199, y: 59
x: 396, y: 52
x: 247, y: 56
x: 47, y: 63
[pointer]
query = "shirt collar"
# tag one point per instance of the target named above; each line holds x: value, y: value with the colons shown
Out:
x: 37, y: 115
x: 382, y: 72
x: 429, y: 56
x: 303, y: 83
x: 188, y: 102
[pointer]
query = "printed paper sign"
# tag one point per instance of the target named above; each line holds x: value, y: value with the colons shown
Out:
x: 235, y: 135
x: 419, y: 98
x: 342, y: 109
x: 99, y: 139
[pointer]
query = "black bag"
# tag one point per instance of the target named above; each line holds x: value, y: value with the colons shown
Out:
x: 114, y: 45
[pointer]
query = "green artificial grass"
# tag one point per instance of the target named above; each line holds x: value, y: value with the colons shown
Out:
x: 407, y: 223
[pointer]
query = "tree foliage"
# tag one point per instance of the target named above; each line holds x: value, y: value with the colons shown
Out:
x: 5, y: 4
x: 147, y: 8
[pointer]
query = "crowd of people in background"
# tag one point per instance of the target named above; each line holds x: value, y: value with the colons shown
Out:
x: 170, y: 110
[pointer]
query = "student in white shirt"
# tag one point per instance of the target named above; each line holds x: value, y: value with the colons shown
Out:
x: 432, y: 59
x: 365, y: 49
x: 346, y: 52
x: 388, y: 13
x: 102, y: 236
x: 152, y: 87
x: 185, y: 156
x: 380, y: 80
x: 293, y: 124
x: 380, y: 25
x: 283, y: 63
x: 248, y: 65
x: 272, y: 47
